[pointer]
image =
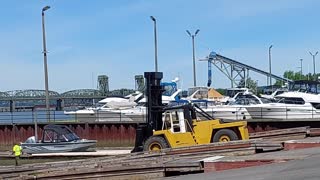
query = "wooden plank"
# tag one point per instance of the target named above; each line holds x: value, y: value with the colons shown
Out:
x: 264, y: 134
x: 148, y: 174
x: 314, y: 132
x: 123, y: 176
x: 83, y: 154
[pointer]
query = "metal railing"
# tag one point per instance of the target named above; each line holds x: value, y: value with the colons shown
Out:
x: 21, y: 117
x: 27, y: 117
x: 237, y: 113
x: 283, y: 113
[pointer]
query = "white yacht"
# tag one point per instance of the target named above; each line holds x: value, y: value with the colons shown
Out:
x: 285, y: 108
x: 122, y: 102
x: 106, y: 113
x: 130, y: 108
x: 237, y: 109
x: 301, y: 103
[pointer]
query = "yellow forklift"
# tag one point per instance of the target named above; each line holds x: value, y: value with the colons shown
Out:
x: 178, y: 126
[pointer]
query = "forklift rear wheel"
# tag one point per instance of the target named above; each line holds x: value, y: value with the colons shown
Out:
x: 225, y: 135
x: 155, y: 143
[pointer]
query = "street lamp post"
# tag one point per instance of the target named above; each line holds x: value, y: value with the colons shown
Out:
x: 155, y: 43
x: 194, y: 56
x: 314, y: 64
x: 301, y: 69
x: 270, y: 81
x: 45, y: 64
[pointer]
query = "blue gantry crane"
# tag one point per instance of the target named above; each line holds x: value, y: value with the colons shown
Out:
x: 234, y: 69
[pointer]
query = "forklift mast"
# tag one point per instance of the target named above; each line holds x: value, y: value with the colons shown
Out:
x: 154, y: 99
x: 155, y: 108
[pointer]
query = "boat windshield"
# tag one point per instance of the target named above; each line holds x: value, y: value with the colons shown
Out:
x: 57, y: 133
x: 306, y: 86
x: 71, y: 136
x: 200, y: 103
x: 268, y: 92
x: 198, y: 92
x: 233, y: 92
x: 248, y: 99
x: 169, y: 88
x: 290, y: 100
x: 245, y: 101
x: 265, y: 100
x: 280, y: 92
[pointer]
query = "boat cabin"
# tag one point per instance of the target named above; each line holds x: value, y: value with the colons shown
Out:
x: 200, y: 93
x: 232, y: 92
x: 58, y: 133
x: 305, y: 86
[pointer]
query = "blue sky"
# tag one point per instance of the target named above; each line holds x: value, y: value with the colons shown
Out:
x: 89, y: 38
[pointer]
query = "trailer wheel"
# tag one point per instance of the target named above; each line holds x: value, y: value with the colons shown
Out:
x: 225, y: 135
x: 155, y: 143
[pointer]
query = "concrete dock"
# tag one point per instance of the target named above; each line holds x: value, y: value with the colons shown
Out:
x: 291, y: 165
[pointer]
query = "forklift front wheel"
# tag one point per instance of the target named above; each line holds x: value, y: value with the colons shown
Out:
x: 225, y: 135
x: 155, y: 143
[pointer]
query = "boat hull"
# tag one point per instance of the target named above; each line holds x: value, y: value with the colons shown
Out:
x: 228, y: 113
x: 135, y: 114
x: 285, y: 112
x: 56, y: 147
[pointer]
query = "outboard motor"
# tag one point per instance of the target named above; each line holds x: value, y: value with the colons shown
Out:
x: 154, y: 105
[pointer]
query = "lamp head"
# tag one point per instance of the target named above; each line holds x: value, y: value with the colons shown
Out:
x: 45, y: 8
x: 313, y: 54
x: 197, y: 31
x: 188, y: 32
x: 153, y: 19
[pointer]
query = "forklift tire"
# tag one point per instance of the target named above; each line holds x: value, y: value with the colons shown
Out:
x: 155, y: 143
x: 225, y: 135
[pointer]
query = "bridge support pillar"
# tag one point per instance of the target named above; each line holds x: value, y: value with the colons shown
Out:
x: 59, y: 105
x: 62, y: 104
x: 12, y: 105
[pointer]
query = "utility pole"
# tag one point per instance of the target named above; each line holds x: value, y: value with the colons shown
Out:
x: 314, y: 64
x: 194, y: 56
x: 270, y: 81
x: 45, y: 64
x: 301, y: 69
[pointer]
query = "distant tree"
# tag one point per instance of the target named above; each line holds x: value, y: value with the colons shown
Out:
x: 289, y: 75
x: 278, y: 83
x: 296, y: 76
x: 221, y: 91
x: 251, y: 84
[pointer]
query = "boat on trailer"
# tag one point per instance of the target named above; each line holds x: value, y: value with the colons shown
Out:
x: 57, y: 139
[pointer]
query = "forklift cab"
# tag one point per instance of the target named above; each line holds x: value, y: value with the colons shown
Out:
x: 178, y: 119
x: 174, y: 121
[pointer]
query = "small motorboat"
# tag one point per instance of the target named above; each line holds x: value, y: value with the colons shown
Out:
x: 56, y: 139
